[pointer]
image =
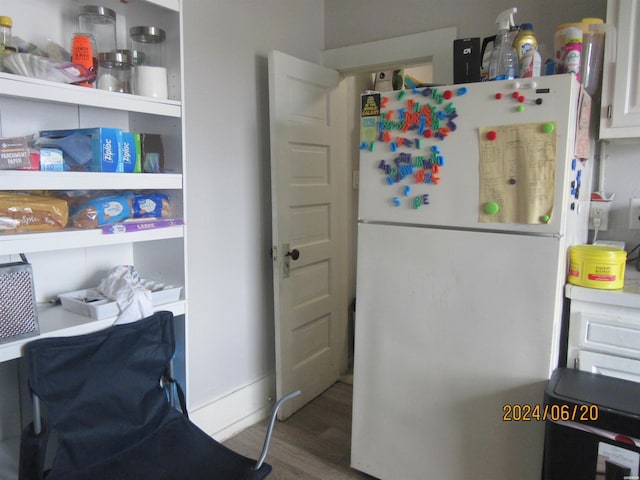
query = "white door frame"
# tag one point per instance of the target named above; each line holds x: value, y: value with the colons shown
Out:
x: 435, y: 46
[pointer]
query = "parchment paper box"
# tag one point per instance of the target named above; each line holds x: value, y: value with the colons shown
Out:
x: 106, y: 147
x: 14, y: 153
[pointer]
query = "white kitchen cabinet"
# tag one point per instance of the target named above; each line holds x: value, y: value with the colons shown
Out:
x: 70, y: 259
x: 620, y: 106
x: 604, y: 329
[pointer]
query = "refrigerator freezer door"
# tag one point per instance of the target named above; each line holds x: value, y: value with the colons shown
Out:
x: 449, y: 346
x: 456, y: 199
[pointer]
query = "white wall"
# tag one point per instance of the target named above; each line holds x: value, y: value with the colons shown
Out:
x: 356, y: 21
x: 349, y: 22
x: 230, y: 307
x: 621, y: 175
x: 227, y: 143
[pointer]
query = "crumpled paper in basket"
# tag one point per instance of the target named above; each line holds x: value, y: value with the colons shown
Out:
x: 123, y: 286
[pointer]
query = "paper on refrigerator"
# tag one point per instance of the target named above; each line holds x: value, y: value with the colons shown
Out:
x: 517, y: 172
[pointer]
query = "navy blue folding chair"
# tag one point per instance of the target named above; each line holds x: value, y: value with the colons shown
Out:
x: 106, y: 398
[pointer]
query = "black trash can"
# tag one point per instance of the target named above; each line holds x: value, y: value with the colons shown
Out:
x: 592, y: 427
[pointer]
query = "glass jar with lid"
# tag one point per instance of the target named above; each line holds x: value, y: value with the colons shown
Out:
x: 95, y: 33
x: 150, y: 72
x: 6, y: 23
x: 100, y: 23
x: 114, y: 71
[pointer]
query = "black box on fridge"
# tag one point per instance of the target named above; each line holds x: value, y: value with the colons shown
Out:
x: 466, y: 60
x: 592, y: 427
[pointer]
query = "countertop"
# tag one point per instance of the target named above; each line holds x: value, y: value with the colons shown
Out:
x: 627, y: 296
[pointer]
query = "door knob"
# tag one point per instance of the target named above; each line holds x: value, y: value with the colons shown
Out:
x: 294, y: 254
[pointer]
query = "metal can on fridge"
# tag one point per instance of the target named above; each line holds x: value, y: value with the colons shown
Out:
x: 568, y: 48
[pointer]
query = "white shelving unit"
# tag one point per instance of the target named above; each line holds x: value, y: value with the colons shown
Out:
x: 73, y: 259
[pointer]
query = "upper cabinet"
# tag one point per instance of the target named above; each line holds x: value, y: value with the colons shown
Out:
x: 620, y: 106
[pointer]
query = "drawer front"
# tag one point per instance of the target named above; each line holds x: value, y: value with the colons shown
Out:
x: 610, y: 365
x: 607, y: 334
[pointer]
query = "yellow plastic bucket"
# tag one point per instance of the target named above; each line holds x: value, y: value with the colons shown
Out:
x: 597, y: 266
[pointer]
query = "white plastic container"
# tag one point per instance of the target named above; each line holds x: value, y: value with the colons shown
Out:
x: 90, y: 303
x: 530, y: 64
x: 568, y: 48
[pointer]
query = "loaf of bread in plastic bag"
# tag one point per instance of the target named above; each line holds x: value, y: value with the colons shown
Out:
x: 26, y: 212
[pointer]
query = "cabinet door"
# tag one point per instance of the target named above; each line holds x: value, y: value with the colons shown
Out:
x: 620, y: 87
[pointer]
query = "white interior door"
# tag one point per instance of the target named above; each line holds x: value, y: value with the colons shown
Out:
x: 307, y: 181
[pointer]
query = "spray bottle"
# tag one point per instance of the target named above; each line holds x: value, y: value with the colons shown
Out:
x: 503, y: 63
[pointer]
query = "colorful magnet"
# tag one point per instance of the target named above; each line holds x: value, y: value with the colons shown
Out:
x: 491, y: 208
x: 396, y: 201
x: 520, y: 108
x: 545, y: 218
x: 492, y: 135
x: 498, y: 96
x: 548, y: 127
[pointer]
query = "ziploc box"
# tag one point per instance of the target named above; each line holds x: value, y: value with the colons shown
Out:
x: 131, y: 154
x: 106, y: 147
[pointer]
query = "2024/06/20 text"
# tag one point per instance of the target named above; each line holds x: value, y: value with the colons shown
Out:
x: 514, y: 412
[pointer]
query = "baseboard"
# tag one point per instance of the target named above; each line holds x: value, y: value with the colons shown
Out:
x: 228, y: 415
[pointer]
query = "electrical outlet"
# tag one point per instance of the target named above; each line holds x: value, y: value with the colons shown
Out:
x: 634, y: 213
x: 599, y: 216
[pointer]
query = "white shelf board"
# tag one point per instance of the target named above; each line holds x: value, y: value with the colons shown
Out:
x: 168, y: 4
x: 34, y: 89
x: 58, y: 322
x: 68, y: 239
x: 36, y: 180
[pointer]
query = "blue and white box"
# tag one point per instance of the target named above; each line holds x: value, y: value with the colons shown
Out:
x: 129, y: 152
x: 102, y: 152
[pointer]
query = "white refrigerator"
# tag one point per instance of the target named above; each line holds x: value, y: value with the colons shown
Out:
x: 460, y: 273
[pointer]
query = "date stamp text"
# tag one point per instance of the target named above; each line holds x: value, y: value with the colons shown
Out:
x: 514, y: 412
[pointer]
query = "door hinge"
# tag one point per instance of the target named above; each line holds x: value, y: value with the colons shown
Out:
x: 609, y: 111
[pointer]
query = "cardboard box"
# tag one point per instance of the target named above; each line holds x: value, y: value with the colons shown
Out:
x: 152, y: 152
x: 14, y: 153
x: 131, y: 155
x: 105, y: 145
x: 466, y: 60
x: 34, y: 157
x: 51, y: 160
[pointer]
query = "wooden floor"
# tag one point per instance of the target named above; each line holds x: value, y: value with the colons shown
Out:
x: 314, y: 443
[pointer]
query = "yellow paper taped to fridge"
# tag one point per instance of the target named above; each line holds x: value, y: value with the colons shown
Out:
x: 517, y: 171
